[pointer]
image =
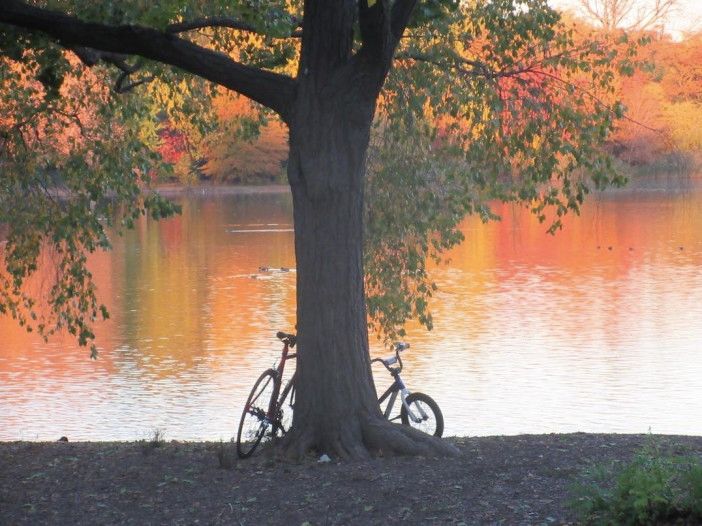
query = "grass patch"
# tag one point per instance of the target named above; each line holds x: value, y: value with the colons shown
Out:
x: 225, y: 455
x: 156, y: 440
x: 655, y: 487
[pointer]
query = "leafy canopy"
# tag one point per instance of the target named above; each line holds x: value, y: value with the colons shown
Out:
x: 494, y: 101
x: 488, y: 100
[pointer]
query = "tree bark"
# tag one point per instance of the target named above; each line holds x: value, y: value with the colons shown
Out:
x: 336, y: 408
x: 335, y: 391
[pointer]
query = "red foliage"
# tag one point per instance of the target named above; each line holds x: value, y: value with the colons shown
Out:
x: 174, y: 144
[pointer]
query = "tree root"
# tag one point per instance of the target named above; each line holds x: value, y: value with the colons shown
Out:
x: 391, y: 439
x: 361, y: 439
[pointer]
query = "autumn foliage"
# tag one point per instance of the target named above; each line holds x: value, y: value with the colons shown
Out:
x: 661, y: 95
x: 663, y: 101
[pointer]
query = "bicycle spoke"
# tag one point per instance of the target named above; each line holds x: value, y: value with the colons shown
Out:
x: 423, y: 413
x: 263, y: 389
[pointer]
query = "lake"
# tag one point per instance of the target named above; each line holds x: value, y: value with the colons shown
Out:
x: 597, y: 329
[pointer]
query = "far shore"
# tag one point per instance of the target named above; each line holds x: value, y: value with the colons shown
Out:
x: 636, y: 184
x: 526, y: 479
x: 176, y: 189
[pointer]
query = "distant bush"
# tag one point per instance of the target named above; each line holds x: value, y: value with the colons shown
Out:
x: 257, y: 161
x: 676, y: 163
x: 654, y: 488
x: 683, y: 120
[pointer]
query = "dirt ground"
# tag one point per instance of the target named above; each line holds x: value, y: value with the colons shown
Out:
x: 497, y: 480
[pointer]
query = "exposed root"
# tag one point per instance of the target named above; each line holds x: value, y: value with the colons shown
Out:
x: 362, y: 439
x: 296, y: 444
x: 389, y: 439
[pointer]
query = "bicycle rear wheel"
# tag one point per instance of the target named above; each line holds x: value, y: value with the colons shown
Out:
x: 420, y: 405
x: 255, y: 424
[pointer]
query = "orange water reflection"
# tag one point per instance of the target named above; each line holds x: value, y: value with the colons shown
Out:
x: 533, y: 333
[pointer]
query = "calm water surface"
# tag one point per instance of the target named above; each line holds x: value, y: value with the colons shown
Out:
x: 533, y: 333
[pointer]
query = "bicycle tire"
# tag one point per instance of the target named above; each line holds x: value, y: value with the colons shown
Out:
x: 429, y: 426
x: 254, y: 422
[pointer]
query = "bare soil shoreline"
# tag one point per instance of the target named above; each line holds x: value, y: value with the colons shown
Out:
x: 524, y: 479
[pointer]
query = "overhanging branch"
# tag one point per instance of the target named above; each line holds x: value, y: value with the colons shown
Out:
x: 464, y: 66
x: 90, y: 57
x: 229, y: 23
x: 270, y: 89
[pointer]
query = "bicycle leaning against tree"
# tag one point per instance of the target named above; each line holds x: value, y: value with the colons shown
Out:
x: 265, y: 413
x: 268, y: 411
x: 418, y: 410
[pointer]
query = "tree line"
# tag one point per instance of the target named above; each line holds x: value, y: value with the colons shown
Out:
x: 661, y: 96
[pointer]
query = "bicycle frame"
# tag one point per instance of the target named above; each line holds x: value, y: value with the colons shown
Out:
x: 285, y: 356
x: 398, y: 386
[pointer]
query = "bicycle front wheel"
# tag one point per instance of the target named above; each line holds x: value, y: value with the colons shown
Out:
x: 426, y: 412
x: 255, y: 424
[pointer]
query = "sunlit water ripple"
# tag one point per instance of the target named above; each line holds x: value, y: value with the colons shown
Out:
x: 532, y: 334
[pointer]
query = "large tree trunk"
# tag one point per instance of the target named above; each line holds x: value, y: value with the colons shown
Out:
x: 335, y: 391
x: 336, y: 408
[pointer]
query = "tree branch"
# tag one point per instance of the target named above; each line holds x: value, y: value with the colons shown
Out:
x: 270, y: 89
x: 90, y: 57
x: 594, y: 98
x: 658, y: 14
x: 477, y: 68
x: 230, y: 23
x: 400, y: 16
x: 122, y: 86
x: 382, y: 24
x: 620, y: 13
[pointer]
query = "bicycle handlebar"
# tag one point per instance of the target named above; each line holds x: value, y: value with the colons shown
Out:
x: 387, y: 362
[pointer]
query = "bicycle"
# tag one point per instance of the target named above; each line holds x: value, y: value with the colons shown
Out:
x: 264, y: 412
x: 418, y: 410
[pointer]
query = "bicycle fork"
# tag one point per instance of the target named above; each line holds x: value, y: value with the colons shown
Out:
x: 404, y: 393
